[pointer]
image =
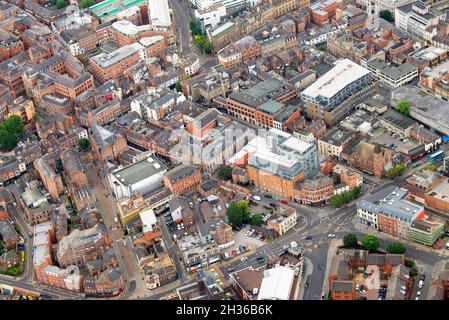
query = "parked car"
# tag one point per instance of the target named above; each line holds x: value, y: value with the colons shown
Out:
x: 357, y: 287
x: 274, y: 205
x: 256, y: 198
x: 261, y: 258
x: 269, y: 196
x: 306, y: 286
x: 331, y: 235
x: 284, y: 201
x: 231, y: 270
x: 285, y: 247
x: 422, y: 277
x: 308, y: 238
x: 244, y: 259
x: 418, y: 293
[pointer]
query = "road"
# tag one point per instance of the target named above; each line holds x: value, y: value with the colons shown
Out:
x: 182, y: 20
x: 106, y: 206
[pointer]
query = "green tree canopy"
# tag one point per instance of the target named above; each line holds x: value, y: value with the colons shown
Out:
x: 370, y: 243
x: 238, y: 212
x: 10, y: 131
x: 396, y: 170
x: 195, y: 27
x: 256, y: 219
x: 350, y: 241
x: 13, y: 124
x: 225, y: 173
x: 340, y: 199
x: 86, y: 3
x: 178, y: 86
x: 396, y: 247
x: 409, y: 263
x: 83, y: 143
x: 387, y: 15
x: 403, y: 107
x: 60, y: 4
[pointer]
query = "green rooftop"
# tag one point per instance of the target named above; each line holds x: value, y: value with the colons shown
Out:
x: 271, y: 107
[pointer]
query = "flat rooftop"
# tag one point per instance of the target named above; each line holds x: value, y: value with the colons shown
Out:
x: 108, y: 9
x: 139, y: 171
x: 336, y: 79
x: 105, y: 60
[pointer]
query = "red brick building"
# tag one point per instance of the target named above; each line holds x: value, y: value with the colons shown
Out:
x: 182, y: 179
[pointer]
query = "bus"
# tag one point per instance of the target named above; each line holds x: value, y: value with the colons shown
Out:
x: 439, y: 155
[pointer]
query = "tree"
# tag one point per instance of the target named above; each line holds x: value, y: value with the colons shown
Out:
x: 60, y: 4
x: 256, y: 219
x: 350, y: 241
x: 396, y: 170
x: 13, y: 124
x: 403, y: 107
x: 238, y: 212
x: 7, y: 140
x: 386, y: 14
x: 413, y: 272
x: 178, y: 86
x: 345, y: 197
x: 370, y: 243
x: 83, y: 143
x: 225, y: 173
x: 195, y: 28
x: 409, y: 263
x: 86, y: 3
x: 396, y: 247
x: 185, y: 77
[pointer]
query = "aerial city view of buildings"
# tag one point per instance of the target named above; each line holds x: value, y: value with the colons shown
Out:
x: 224, y: 149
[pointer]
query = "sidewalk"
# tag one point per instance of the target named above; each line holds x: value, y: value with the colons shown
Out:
x: 309, y: 270
x: 331, y: 252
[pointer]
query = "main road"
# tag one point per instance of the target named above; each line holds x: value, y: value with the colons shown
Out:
x: 182, y: 19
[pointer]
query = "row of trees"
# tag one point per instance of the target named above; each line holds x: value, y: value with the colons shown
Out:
x: 199, y: 38
x: 10, y: 132
x: 239, y: 212
x: 340, y: 199
x: 371, y: 243
x: 396, y: 170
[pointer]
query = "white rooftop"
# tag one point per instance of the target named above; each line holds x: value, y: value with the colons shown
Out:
x: 276, y: 284
x: 149, y: 41
x: 336, y: 79
x: 148, y: 219
x: 105, y: 60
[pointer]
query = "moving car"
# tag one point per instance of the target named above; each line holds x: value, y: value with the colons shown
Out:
x: 320, y: 266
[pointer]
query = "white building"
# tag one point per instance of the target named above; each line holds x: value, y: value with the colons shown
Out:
x: 148, y: 219
x: 143, y: 177
x: 204, y: 4
x: 416, y: 17
x: 277, y: 284
x: 211, y: 16
x: 389, y: 5
x: 336, y: 84
x: 159, y: 12
x: 392, y: 76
